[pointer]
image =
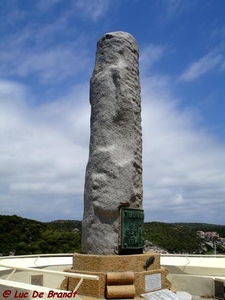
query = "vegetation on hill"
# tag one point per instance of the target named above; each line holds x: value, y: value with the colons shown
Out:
x: 20, y: 236
x: 66, y: 225
x: 174, y: 238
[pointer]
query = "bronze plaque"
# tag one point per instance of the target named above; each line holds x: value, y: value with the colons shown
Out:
x: 132, y: 228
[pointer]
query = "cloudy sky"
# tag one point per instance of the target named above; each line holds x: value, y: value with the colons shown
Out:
x: 47, y: 54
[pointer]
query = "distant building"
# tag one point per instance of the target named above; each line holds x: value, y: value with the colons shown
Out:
x: 200, y: 234
x: 211, y: 235
x: 221, y: 241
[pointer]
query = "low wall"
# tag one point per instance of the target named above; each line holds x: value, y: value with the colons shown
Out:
x: 47, y: 262
x: 194, y: 274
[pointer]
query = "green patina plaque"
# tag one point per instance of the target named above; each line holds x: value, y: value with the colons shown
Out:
x: 132, y: 228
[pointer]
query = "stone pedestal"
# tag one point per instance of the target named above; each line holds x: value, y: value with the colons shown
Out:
x: 119, y: 269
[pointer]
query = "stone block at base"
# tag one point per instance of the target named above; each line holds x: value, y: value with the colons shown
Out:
x: 114, y: 263
x: 120, y: 285
x: 121, y: 291
x: 100, y: 265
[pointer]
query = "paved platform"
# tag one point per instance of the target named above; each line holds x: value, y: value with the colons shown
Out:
x: 181, y: 296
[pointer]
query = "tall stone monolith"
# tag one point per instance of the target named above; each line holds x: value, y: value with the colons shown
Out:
x: 114, y: 170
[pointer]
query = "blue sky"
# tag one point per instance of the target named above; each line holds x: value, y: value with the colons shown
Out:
x: 47, y: 54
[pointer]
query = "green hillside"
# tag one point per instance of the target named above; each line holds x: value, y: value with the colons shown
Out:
x: 174, y: 238
x: 22, y: 236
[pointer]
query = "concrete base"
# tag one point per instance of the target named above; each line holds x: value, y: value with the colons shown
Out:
x: 102, y: 265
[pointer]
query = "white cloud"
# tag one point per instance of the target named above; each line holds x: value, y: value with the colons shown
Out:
x: 12, y: 91
x: 218, y: 31
x: 149, y: 56
x: 178, y: 200
x: 44, y: 148
x: 46, y: 4
x: 34, y: 51
x: 173, y: 7
x: 179, y: 156
x: 202, y: 66
x: 93, y: 9
x: 50, y: 65
x: 43, y: 152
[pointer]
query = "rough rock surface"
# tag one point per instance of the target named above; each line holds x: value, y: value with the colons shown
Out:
x: 114, y: 170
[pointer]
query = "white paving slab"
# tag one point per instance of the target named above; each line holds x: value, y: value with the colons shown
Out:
x: 166, y: 294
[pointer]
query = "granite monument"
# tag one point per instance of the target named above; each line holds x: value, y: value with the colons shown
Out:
x: 114, y: 170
